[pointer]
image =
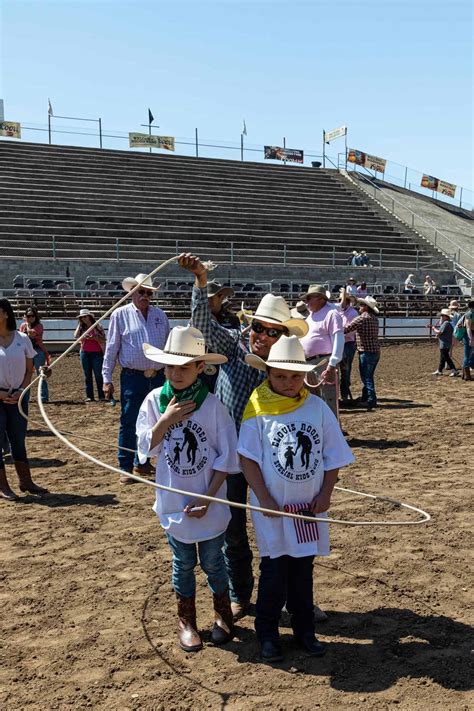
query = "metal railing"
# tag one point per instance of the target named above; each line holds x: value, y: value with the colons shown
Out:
x: 428, y: 231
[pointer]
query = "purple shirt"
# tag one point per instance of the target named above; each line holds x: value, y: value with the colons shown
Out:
x: 348, y: 315
x: 323, y: 324
x: 128, y: 331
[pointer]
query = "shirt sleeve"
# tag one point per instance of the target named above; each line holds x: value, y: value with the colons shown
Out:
x: 227, y: 459
x: 112, y: 348
x: 336, y: 451
x: 28, y: 347
x: 148, y: 416
x: 337, y: 348
x: 218, y: 338
x: 250, y: 442
x: 354, y: 324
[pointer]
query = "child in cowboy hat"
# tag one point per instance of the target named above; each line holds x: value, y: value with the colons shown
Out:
x: 291, y: 448
x: 194, y: 440
x: 445, y: 340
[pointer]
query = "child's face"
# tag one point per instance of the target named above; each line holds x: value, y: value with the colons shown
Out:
x: 182, y: 376
x: 285, y: 382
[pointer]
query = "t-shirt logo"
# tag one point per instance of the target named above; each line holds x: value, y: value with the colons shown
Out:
x: 186, y: 448
x: 296, y: 451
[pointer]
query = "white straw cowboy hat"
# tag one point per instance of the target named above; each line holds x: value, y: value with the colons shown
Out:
x: 370, y: 302
x: 445, y: 312
x: 316, y: 289
x: 142, y: 279
x: 214, y: 288
x: 274, y: 309
x: 85, y: 312
x: 287, y: 353
x: 185, y: 344
x: 300, y: 310
x: 454, y: 304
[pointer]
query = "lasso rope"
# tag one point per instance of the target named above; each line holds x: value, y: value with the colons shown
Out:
x: 425, y: 516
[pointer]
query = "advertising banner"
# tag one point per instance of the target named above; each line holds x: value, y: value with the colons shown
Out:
x: 292, y: 155
x: 441, y: 186
x: 355, y: 156
x: 335, y: 133
x: 375, y: 163
x: 12, y: 129
x: 143, y: 140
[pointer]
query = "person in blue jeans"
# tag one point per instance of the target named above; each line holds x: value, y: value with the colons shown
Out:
x: 167, y: 419
x: 34, y: 329
x: 91, y: 354
x: 366, y: 327
x: 468, y: 342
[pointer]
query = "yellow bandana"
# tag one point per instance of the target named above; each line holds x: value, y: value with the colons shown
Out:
x: 263, y: 401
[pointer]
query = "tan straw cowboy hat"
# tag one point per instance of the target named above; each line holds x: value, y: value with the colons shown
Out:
x: 370, y: 302
x: 142, y: 279
x: 287, y: 353
x: 316, y: 289
x: 185, y: 344
x: 274, y: 309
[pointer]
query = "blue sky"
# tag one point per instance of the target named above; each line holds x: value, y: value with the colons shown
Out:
x: 399, y: 74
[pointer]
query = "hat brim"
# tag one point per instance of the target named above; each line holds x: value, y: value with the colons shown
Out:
x: 226, y: 291
x: 82, y: 315
x: 304, y: 296
x: 159, y: 356
x: 372, y: 308
x: 129, y: 283
x: 256, y: 362
x: 295, y: 326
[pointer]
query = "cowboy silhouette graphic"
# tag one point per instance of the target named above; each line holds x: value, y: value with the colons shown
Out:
x: 304, y: 443
x: 289, y: 454
x: 192, y: 444
x: 177, y: 451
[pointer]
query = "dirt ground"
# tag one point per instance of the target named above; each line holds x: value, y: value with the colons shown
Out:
x: 88, y: 614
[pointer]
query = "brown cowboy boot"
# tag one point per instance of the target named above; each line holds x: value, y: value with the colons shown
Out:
x: 223, y: 629
x: 26, y: 482
x: 188, y: 636
x: 467, y: 373
x: 5, y: 491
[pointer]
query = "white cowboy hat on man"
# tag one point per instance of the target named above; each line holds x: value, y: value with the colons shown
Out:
x: 274, y: 309
x: 287, y: 354
x: 142, y: 279
x: 185, y: 344
x: 370, y: 302
x: 316, y: 289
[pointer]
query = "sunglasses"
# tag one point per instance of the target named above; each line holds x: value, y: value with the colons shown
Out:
x: 257, y: 327
x: 144, y: 292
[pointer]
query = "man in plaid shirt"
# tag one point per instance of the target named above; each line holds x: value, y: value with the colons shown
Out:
x: 366, y: 327
x: 234, y: 386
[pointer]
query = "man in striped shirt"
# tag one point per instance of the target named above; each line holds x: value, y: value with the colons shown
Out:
x: 130, y: 327
x: 235, y: 384
x: 366, y: 327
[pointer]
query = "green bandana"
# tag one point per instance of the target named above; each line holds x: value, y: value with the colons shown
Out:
x: 197, y: 392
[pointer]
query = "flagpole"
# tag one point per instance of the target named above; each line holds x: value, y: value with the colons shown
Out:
x: 345, y: 142
x: 49, y: 127
x: 241, y: 146
x: 284, y: 150
x: 149, y: 129
x: 324, y: 148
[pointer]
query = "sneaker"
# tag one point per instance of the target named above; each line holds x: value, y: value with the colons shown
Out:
x: 89, y: 399
x: 454, y: 374
x: 437, y: 372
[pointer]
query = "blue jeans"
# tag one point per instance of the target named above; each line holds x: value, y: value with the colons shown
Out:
x: 38, y: 361
x: 237, y: 553
x: 367, y: 365
x: 14, y: 425
x: 92, y: 364
x: 211, y: 559
x: 346, y: 368
x: 134, y: 388
x: 290, y: 580
x: 468, y: 353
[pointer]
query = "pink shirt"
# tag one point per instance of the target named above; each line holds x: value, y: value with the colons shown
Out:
x: 89, y: 344
x: 323, y: 324
x: 348, y: 315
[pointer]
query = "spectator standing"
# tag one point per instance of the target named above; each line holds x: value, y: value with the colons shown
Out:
x: 348, y: 314
x: 16, y: 368
x: 361, y: 291
x: 34, y: 329
x: 235, y: 383
x: 91, y: 353
x: 445, y: 339
x: 325, y: 341
x: 130, y: 327
x: 454, y: 309
x: 366, y: 327
x: 355, y: 261
x: 351, y: 286
x: 468, y: 341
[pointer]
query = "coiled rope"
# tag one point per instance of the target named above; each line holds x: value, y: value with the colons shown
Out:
x: 425, y: 516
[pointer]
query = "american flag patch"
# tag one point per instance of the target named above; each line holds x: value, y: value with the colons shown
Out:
x: 306, y: 531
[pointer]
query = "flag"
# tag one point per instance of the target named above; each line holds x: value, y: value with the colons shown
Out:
x: 151, y: 118
x: 50, y: 108
x: 244, y: 129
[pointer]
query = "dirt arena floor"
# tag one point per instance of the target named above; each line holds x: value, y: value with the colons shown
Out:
x: 88, y: 614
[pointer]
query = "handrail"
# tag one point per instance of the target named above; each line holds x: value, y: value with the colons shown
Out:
x: 451, y: 257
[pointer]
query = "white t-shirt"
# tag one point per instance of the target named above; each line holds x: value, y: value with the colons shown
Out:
x: 12, y: 361
x: 186, y: 459
x: 293, y: 451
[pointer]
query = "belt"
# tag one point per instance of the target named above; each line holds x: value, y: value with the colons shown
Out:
x: 149, y: 373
